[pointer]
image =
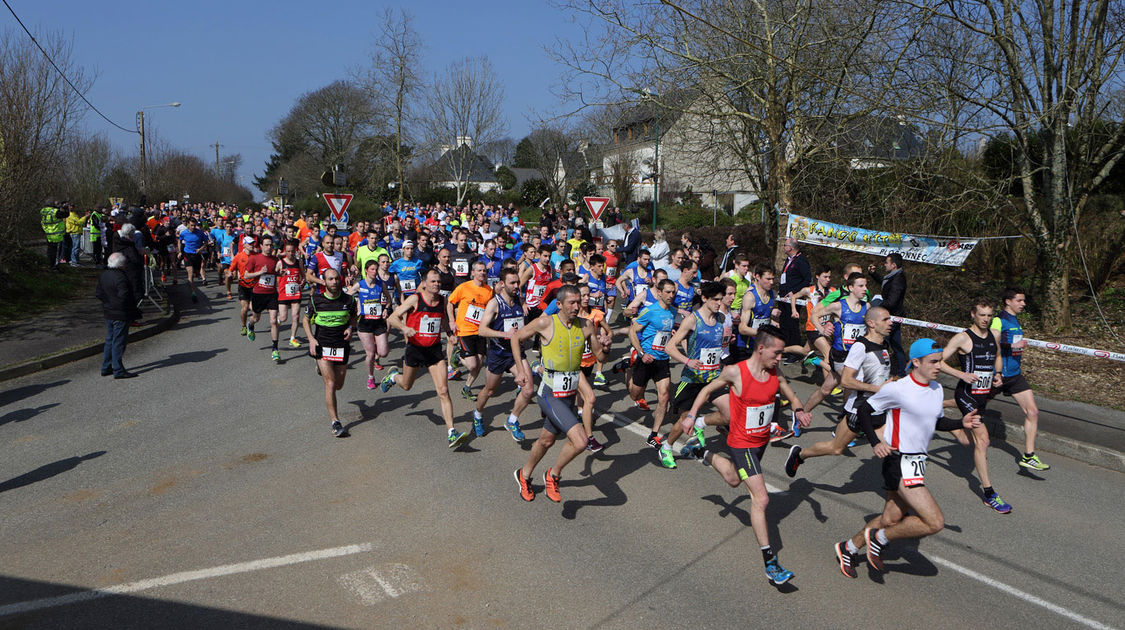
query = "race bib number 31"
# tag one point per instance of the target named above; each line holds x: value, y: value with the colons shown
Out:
x: 564, y: 384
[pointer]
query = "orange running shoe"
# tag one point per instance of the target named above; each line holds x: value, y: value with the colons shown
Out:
x: 552, y: 486
x: 526, y: 493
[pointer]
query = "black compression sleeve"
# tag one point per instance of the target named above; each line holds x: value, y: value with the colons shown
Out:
x: 867, y: 424
x: 949, y: 424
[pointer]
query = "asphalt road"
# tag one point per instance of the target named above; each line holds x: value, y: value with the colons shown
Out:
x: 210, y: 493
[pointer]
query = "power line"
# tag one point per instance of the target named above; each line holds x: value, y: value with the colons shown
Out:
x: 65, y: 78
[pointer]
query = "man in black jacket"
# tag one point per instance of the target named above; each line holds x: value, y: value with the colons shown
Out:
x: 795, y: 275
x: 134, y: 264
x: 631, y: 244
x: 893, y: 292
x: 119, y: 307
x: 727, y: 262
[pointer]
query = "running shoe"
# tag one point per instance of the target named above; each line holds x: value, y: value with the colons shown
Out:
x: 514, y: 428
x: 371, y: 382
x: 478, y: 426
x: 377, y: 366
x: 874, y: 549
x: 777, y: 433
x: 388, y: 381
x: 808, y: 360
x: 293, y: 343
x: 845, y: 558
x: 526, y: 493
x: 599, y: 379
x: 998, y: 504
x: 620, y: 366
x: 836, y: 391
x: 642, y: 404
x: 784, y: 402
x: 666, y: 458
x: 778, y: 574
x: 551, y: 483
x: 275, y: 355
x: 242, y: 332
x: 593, y: 445
x: 453, y: 374
x: 699, y: 437
x: 457, y: 438
x: 692, y: 449
x: 455, y: 360
x: 250, y: 334
x: 338, y: 430
x: 1034, y: 463
x: 229, y: 296
x: 793, y: 461
x: 796, y: 427
x: 655, y: 441
x: 468, y: 394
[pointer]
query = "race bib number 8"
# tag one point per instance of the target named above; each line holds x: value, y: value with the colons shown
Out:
x: 758, y: 417
x: 913, y: 468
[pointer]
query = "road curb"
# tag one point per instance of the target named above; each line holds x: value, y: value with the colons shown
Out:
x: 62, y: 358
x: 1082, y: 451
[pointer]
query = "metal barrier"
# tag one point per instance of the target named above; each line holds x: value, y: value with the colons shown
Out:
x: 153, y: 293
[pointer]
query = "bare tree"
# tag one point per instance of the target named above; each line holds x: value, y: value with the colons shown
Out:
x: 622, y: 174
x: 40, y: 114
x: 393, y: 80
x: 555, y: 155
x: 464, y: 107
x: 501, y: 151
x: 333, y: 121
x: 1052, y: 69
x: 84, y: 169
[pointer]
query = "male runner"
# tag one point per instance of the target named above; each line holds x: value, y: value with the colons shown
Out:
x: 536, y: 278
x: 562, y: 337
x: 865, y: 368
x: 421, y: 318
x: 225, y: 240
x: 333, y: 313
x: 461, y: 256
x: 322, y: 261
x: 192, y: 245
x: 915, y: 406
x: 469, y: 300
x: 262, y: 270
x: 847, y: 317
x: 237, y: 271
x: 289, y: 280
x: 981, y: 371
x: 650, y: 333
x: 1014, y: 384
x: 503, y: 316
x: 754, y: 385
x: 408, y: 270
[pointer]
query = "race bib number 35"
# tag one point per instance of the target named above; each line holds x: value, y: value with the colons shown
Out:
x: 709, y: 357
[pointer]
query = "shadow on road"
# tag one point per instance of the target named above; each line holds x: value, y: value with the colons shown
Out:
x: 195, y: 356
x: 34, y: 604
x: 47, y: 471
x: 17, y: 394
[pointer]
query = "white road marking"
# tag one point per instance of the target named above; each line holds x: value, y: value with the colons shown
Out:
x: 643, y: 432
x: 375, y: 584
x: 1015, y: 592
x: 185, y: 576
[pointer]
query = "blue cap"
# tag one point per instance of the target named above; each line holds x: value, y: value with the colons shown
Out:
x: 923, y: 347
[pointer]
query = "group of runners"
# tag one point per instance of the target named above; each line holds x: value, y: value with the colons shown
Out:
x: 542, y: 311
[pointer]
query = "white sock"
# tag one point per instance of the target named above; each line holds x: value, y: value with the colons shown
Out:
x: 451, y: 431
x: 476, y: 415
x: 700, y: 423
x: 850, y: 546
x: 880, y: 537
x: 513, y: 418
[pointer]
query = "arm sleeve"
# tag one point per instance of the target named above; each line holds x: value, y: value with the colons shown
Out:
x: 948, y: 424
x: 866, y: 422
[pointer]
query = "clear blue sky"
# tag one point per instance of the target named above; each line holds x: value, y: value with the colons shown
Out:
x: 238, y: 65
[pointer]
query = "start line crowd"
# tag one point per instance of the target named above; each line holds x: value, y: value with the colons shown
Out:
x: 473, y: 290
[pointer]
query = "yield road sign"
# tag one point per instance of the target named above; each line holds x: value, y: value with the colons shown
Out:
x: 596, y: 205
x: 338, y: 205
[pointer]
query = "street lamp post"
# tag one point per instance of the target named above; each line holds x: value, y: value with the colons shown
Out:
x: 141, y: 132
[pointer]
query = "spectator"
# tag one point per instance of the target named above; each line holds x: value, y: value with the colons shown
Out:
x: 119, y: 307
x: 631, y: 244
x: 728, y: 258
x: 795, y: 275
x: 134, y: 264
x: 893, y: 294
x: 659, y: 250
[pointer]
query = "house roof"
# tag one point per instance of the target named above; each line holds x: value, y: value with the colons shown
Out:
x: 452, y: 161
x: 666, y: 109
x: 877, y: 138
x: 525, y: 174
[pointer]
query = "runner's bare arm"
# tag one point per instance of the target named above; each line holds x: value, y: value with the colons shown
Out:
x: 728, y: 377
x: 396, y: 317
x: 485, y: 329
x: 803, y: 417
x: 673, y: 347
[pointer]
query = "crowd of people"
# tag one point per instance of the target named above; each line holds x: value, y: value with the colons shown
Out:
x: 564, y: 318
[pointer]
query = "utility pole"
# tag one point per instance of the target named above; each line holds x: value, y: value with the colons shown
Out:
x: 144, y: 161
x: 218, y: 173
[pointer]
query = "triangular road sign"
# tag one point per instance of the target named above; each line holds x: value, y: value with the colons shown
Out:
x: 338, y: 205
x: 596, y: 205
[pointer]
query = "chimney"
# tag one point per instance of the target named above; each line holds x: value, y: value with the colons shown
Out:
x: 465, y: 140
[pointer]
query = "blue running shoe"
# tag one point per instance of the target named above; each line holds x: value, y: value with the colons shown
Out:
x: 796, y: 428
x: 998, y: 504
x: 515, y: 430
x: 478, y: 426
x: 778, y: 574
x: 388, y: 381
